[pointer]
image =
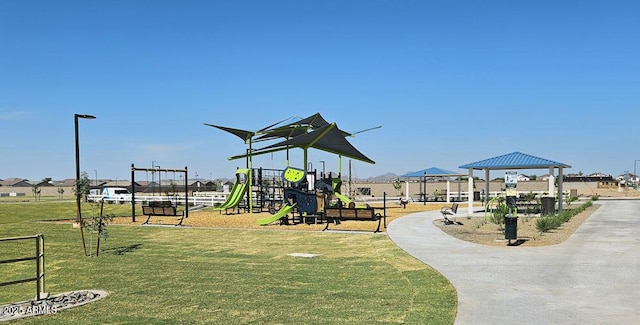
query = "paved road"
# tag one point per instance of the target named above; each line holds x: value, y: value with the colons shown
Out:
x: 591, y: 278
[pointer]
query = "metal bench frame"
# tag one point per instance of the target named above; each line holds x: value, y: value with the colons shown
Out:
x: 162, y: 209
x: 337, y: 215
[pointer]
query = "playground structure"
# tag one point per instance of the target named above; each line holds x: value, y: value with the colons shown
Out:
x: 299, y: 194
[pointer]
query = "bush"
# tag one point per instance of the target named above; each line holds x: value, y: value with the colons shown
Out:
x: 501, y: 210
x: 544, y: 224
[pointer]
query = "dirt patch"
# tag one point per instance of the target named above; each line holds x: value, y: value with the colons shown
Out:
x: 231, y: 220
x: 473, y: 229
x: 479, y: 231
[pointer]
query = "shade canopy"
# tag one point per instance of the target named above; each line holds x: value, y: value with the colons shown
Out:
x: 514, y: 160
x: 242, y: 134
x: 310, y: 132
x: 296, y: 128
x: 511, y: 161
x: 327, y: 138
x: 433, y: 172
x: 245, y: 135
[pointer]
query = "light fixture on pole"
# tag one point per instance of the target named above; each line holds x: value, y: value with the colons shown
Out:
x: 78, y: 194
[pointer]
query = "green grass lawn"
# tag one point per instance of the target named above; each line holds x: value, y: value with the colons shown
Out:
x: 158, y: 275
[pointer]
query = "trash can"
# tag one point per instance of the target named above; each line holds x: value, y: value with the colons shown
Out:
x: 476, y: 195
x: 510, y: 227
x: 547, y: 205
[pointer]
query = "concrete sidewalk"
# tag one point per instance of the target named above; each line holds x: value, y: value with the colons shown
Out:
x: 592, y: 278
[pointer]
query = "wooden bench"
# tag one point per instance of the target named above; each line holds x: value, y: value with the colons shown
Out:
x: 162, y: 209
x: 337, y: 215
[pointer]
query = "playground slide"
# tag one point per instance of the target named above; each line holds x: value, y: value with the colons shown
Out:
x: 281, y: 213
x: 235, y: 196
x: 347, y: 201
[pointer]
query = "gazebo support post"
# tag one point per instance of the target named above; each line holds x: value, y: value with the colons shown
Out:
x: 486, y: 187
x: 560, y: 199
x: 425, y: 195
x: 470, y: 193
x: 552, y: 179
x: 406, y: 191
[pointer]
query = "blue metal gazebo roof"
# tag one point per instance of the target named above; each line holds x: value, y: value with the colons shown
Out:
x: 433, y: 171
x: 515, y: 160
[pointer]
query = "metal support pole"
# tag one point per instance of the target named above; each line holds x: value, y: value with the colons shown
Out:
x: 133, y: 193
x: 78, y: 194
x: 186, y: 192
x: 38, y: 270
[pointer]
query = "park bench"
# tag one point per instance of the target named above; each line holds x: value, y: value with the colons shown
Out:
x: 337, y: 215
x: 450, y: 211
x: 162, y: 209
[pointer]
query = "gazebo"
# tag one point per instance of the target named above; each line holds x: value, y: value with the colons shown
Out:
x: 516, y: 160
x: 431, y: 172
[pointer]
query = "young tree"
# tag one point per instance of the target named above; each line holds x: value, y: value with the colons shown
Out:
x: 397, y: 184
x: 84, y: 184
x: 35, y: 189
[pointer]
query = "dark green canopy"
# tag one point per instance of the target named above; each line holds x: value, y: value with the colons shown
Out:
x: 326, y: 138
x: 310, y: 132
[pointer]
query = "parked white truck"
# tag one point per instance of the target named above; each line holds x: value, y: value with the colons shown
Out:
x: 116, y: 195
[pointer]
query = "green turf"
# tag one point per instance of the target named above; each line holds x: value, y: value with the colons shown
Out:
x: 158, y: 275
x: 55, y: 210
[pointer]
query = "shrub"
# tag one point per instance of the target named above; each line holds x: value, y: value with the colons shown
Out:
x: 570, y: 199
x: 544, y: 224
x: 499, y: 213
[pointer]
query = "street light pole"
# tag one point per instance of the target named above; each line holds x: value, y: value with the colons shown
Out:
x: 78, y: 194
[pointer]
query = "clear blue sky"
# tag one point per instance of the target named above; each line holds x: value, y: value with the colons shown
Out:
x: 450, y: 82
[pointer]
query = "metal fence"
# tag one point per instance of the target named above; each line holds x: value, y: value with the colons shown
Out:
x: 39, y: 258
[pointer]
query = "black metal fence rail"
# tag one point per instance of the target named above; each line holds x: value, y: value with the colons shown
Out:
x: 38, y: 257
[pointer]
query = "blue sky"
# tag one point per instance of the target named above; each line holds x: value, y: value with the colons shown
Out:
x: 450, y: 82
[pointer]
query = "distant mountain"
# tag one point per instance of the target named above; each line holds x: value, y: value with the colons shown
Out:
x: 379, y: 179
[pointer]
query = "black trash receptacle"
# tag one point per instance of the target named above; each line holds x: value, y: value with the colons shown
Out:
x: 476, y: 195
x: 510, y: 227
x: 547, y: 205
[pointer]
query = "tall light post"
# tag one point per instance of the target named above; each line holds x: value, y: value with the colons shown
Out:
x: 78, y: 194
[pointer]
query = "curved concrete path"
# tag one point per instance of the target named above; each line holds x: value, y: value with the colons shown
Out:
x: 591, y: 278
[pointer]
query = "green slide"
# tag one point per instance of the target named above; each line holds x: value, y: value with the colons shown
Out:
x: 237, y: 192
x: 348, y: 202
x: 281, y: 213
